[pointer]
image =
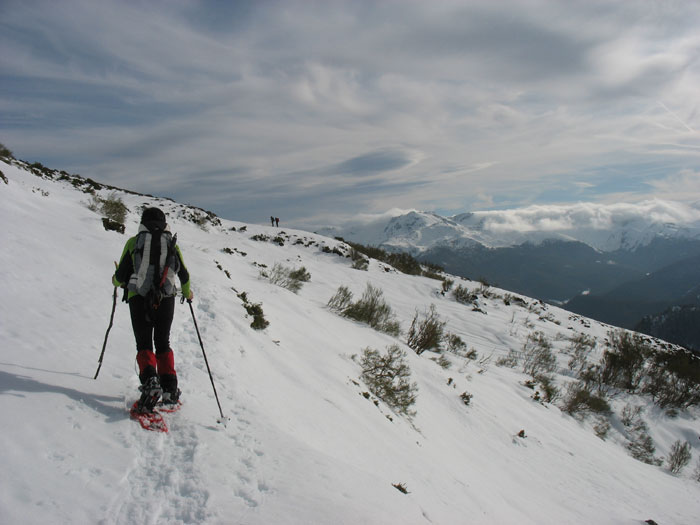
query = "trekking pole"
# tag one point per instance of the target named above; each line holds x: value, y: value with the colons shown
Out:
x: 223, y: 418
x: 111, y: 321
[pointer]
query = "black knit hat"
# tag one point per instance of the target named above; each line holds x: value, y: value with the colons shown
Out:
x: 153, y: 218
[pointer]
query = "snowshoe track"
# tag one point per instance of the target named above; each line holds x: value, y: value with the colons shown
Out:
x: 163, y: 483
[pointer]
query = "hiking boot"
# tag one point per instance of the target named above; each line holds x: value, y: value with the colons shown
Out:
x: 171, y: 397
x: 150, y: 393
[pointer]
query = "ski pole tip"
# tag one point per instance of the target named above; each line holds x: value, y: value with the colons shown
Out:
x: 223, y: 421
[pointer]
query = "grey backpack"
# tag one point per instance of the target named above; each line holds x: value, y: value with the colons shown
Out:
x: 155, y: 264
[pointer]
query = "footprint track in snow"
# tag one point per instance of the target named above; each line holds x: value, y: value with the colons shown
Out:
x: 163, y: 483
x: 252, y: 489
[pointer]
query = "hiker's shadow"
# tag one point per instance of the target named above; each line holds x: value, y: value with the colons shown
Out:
x: 18, y: 385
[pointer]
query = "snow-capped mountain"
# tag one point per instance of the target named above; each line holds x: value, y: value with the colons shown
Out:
x: 307, y: 442
x: 554, y: 253
x: 605, y: 228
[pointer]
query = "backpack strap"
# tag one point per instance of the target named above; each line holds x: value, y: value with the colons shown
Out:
x: 143, y: 249
x: 170, y: 260
x: 154, y: 259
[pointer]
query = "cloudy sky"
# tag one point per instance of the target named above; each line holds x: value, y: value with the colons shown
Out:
x: 320, y: 110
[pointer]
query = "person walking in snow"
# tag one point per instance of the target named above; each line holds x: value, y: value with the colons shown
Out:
x: 147, y: 269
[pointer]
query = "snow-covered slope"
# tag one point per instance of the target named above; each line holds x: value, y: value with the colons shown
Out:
x: 603, y: 227
x: 303, y: 444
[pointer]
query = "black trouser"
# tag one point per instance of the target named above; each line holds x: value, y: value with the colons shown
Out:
x: 152, y: 328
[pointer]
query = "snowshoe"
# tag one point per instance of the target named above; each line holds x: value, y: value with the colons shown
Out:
x: 150, y: 394
x: 171, y: 397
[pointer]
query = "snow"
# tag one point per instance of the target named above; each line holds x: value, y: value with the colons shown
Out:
x: 303, y: 445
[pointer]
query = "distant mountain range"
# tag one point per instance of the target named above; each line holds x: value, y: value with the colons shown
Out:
x: 614, y: 263
x: 606, y: 228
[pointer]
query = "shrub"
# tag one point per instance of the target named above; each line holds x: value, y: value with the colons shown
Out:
x: 474, y: 355
x: 642, y: 447
x: 511, y: 360
x: 537, y: 355
x: 114, y: 208
x: 201, y: 218
x: 292, y: 280
x: 259, y: 321
x: 426, y: 333
x: 255, y: 310
x: 466, y: 398
x: 679, y: 456
x: 95, y: 203
x: 373, y: 310
x: 447, y: 285
x: 360, y: 264
x: 601, y: 428
x: 550, y: 390
x: 5, y: 153
x: 463, y: 295
x: 341, y: 300
x: 674, y: 379
x: 388, y: 377
x: 359, y: 261
x: 433, y: 271
x: 623, y: 366
x: 301, y: 275
x: 592, y: 378
x: 632, y: 417
x: 484, y: 289
x: 443, y: 361
x: 456, y: 345
x: 580, y: 348
x: 579, y: 400
x: 403, y: 262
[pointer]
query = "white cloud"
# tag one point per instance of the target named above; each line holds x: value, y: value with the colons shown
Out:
x: 493, y: 101
x: 684, y: 185
x: 587, y: 215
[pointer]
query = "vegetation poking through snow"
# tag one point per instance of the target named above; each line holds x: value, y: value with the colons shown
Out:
x: 388, y: 377
x: 255, y: 310
x: 426, y: 331
x: 291, y: 279
x: 371, y: 309
x: 403, y: 262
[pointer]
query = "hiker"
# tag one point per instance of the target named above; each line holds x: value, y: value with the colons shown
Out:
x: 277, y: 220
x: 151, y: 297
x: 272, y: 220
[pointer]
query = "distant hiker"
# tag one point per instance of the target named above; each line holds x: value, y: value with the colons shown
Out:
x: 272, y: 220
x: 277, y: 220
x: 147, y: 269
